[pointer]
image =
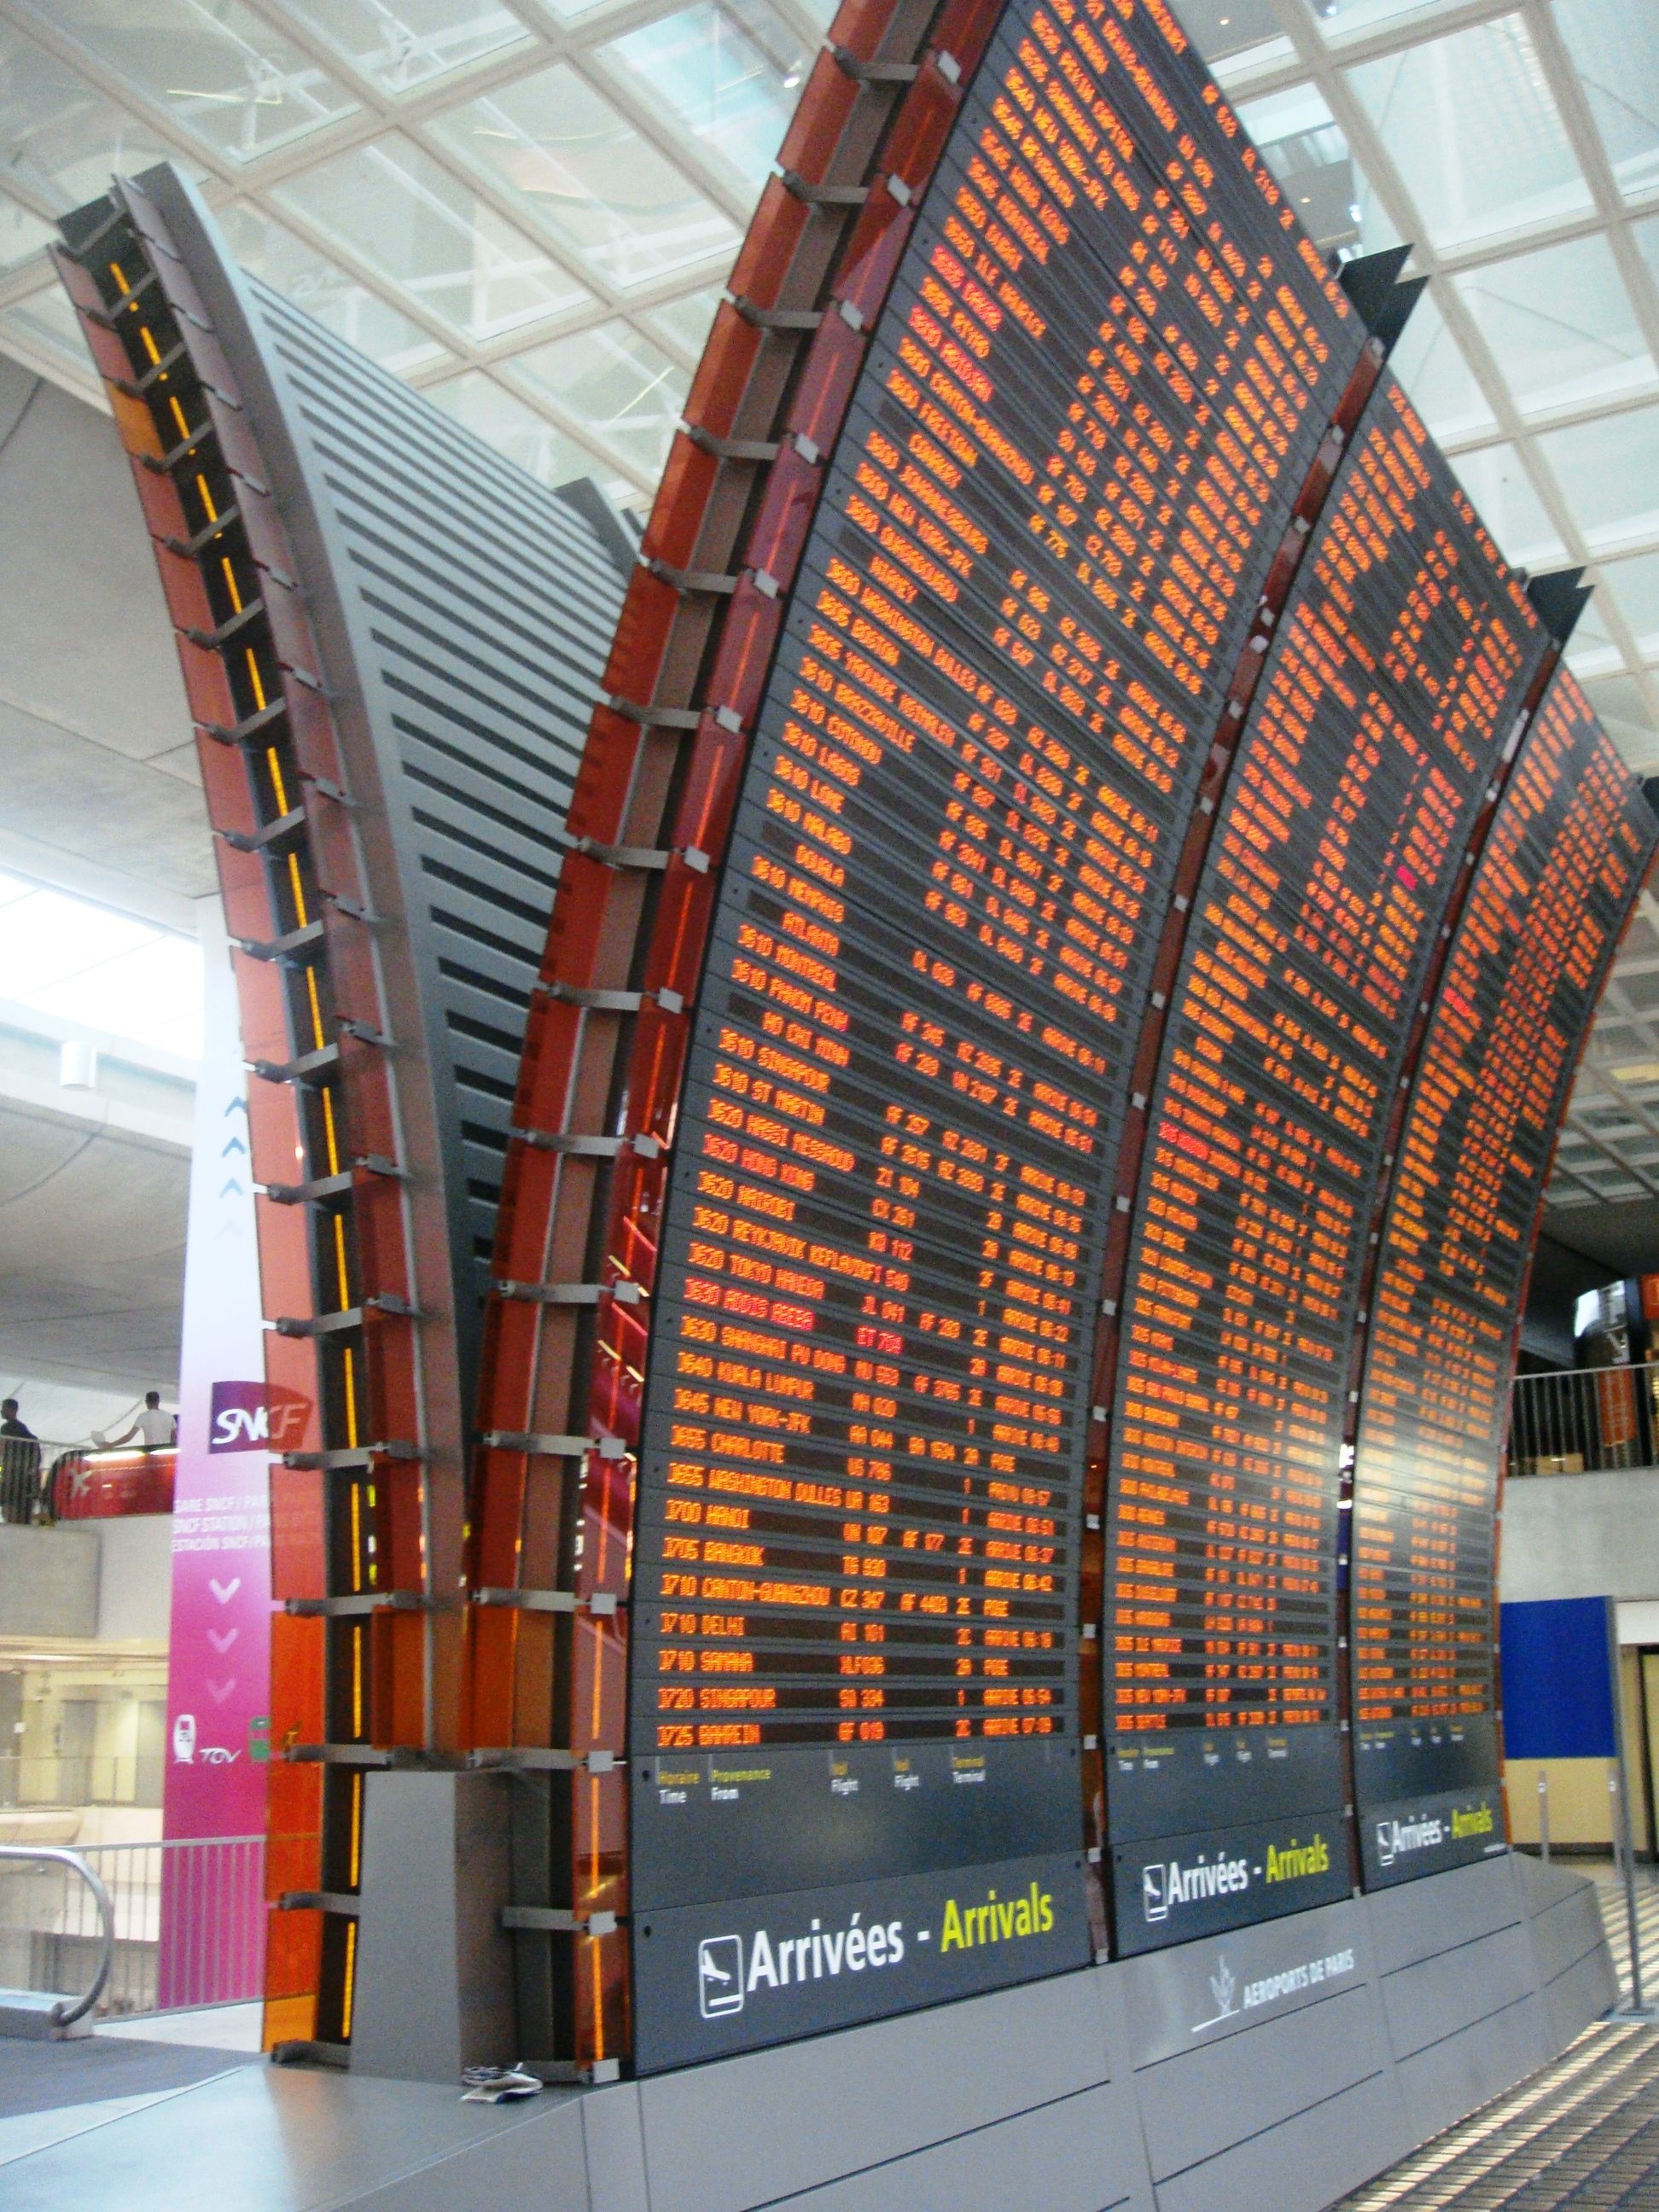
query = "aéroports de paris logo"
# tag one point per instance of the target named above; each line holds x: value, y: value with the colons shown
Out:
x: 1224, y: 1987
x: 720, y: 1976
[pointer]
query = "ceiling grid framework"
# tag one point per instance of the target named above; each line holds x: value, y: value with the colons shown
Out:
x: 529, y: 214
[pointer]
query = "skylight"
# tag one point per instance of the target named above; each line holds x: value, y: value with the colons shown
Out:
x: 64, y: 955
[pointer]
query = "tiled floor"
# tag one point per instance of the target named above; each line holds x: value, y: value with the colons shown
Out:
x: 1583, y: 2136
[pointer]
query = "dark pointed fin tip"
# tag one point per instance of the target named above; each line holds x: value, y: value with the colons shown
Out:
x: 1372, y: 284
x: 1559, y: 599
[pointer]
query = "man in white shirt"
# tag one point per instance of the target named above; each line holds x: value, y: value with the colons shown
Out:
x: 152, y: 1427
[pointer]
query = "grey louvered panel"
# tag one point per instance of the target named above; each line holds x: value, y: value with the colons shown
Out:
x: 351, y: 441
x: 463, y: 760
x: 483, y: 608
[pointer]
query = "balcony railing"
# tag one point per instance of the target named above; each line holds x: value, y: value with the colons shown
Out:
x: 1586, y: 1421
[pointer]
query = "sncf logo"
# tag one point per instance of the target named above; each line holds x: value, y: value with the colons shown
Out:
x: 255, y: 1416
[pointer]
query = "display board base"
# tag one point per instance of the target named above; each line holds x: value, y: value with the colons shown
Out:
x: 1280, y: 2066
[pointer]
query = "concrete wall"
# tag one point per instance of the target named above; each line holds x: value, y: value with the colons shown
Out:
x: 136, y: 1585
x: 48, y: 1581
x: 108, y: 1579
x: 1582, y: 1535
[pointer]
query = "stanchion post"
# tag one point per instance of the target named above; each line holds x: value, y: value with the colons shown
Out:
x: 1619, y: 1784
x: 1544, y: 1815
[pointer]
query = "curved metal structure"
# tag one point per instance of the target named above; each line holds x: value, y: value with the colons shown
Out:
x: 389, y: 638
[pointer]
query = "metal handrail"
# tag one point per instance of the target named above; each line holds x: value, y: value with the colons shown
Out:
x: 66, y: 2014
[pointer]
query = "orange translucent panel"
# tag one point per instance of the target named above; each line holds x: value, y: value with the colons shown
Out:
x: 603, y: 2023
x: 599, y: 1841
x: 278, y: 1153
x: 765, y: 256
x: 285, y: 1278
x: 820, y: 117
x: 243, y: 884
x: 722, y: 377
x: 299, y: 1533
x: 292, y: 1384
x: 262, y: 999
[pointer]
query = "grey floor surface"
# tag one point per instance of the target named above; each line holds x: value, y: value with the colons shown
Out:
x: 1582, y: 2137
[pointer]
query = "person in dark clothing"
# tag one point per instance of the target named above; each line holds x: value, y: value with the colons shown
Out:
x: 20, y: 1466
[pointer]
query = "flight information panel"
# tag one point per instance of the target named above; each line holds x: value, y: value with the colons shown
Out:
x: 1401, y: 660
x: 1104, y: 370
x: 1567, y: 853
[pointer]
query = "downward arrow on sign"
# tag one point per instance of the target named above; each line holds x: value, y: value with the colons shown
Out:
x: 222, y: 1643
x: 225, y: 1591
x: 220, y: 1691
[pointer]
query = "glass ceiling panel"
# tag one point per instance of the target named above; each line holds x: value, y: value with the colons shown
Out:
x: 1349, y: 19
x: 61, y: 141
x: 1646, y: 235
x: 1470, y: 123
x: 1614, y: 45
x: 20, y: 233
x: 514, y: 429
x: 1428, y: 362
x: 1309, y: 156
x: 408, y: 44
x: 1503, y: 493
x: 1617, y: 700
x: 428, y: 233
x: 64, y: 955
x: 728, y: 74
x: 221, y: 70
x: 1561, y: 324
x: 687, y: 321
x: 1246, y: 32
x: 338, y: 300
x: 1591, y: 650
x: 46, y: 318
x: 617, y: 386
x: 587, y: 179
x: 1609, y: 470
x: 1635, y: 585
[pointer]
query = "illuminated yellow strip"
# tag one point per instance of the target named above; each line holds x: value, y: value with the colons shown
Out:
x: 340, y: 1261
x: 150, y: 346
x: 356, y: 1677
x: 115, y: 271
x: 351, y: 1415
x: 206, y: 498
x: 356, y: 1549
x: 316, y: 1017
x: 350, y: 1979
x: 357, y: 1829
x: 230, y: 583
x: 179, y: 414
x: 330, y: 1137
x: 297, y: 885
x: 259, y: 700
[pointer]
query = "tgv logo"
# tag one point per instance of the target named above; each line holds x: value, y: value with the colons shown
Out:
x: 245, y: 1416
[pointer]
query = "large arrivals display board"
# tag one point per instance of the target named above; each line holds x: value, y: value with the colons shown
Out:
x: 1569, y: 848
x: 1102, y: 375
x: 1051, y: 732
x: 1401, y: 660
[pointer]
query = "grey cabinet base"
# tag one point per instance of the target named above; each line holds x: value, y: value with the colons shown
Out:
x: 1281, y: 2065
